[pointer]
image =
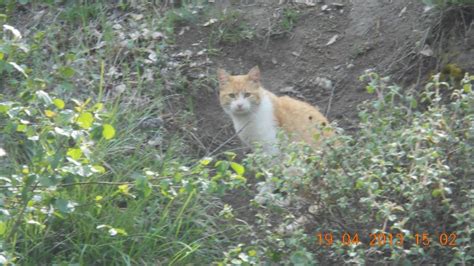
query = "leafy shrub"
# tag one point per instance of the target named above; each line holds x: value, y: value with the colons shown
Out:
x: 407, y: 173
x: 69, y: 195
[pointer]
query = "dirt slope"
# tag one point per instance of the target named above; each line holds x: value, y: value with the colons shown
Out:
x: 329, y: 42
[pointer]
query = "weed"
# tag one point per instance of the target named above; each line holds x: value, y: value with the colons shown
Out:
x: 289, y: 18
x: 230, y: 28
x: 80, y: 182
x: 177, y: 18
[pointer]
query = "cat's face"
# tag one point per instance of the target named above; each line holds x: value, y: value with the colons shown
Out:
x: 239, y: 95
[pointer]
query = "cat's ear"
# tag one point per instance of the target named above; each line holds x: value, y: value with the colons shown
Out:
x: 222, y: 76
x: 254, y: 74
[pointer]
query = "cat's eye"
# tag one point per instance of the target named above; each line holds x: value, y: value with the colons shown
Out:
x: 231, y: 95
x: 246, y: 95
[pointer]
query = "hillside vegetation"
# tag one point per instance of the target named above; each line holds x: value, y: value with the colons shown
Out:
x: 102, y: 159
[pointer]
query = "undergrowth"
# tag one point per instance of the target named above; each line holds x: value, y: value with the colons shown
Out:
x: 399, y: 192
x: 95, y: 167
x: 89, y: 172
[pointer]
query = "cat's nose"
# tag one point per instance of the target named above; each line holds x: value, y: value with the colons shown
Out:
x: 239, y: 105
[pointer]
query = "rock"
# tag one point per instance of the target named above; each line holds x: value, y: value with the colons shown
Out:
x: 337, y: 5
x: 120, y: 88
x: 156, y: 122
x: 210, y: 22
x: 293, y: 171
x: 136, y: 16
x: 186, y: 53
x: 202, y: 52
x: 349, y: 66
x: 313, y: 209
x: 156, y: 141
x: 288, y: 89
x: 292, y: 227
x: 426, y: 51
x: 266, y: 195
x: 306, y: 2
x: 323, y: 83
x: 332, y: 40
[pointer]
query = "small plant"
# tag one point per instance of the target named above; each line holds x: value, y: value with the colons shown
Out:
x: 82, y: 13
x: 230, y: 28
x: 289, y: 18
x: 178, y: 17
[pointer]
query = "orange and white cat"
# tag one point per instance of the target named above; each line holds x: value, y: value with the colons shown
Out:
x: 259, y: 114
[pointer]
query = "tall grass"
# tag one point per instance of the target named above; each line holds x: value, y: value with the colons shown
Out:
x: 139, y: 203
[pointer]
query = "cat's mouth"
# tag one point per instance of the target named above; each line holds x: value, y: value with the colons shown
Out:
x: 240, y: 111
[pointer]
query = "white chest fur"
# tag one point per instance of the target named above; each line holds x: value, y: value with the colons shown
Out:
x: 259, y: 126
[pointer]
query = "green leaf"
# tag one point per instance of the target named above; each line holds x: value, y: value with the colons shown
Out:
x: 3, y: 228
x: 74, y: 153
x: 238, y: 168
x: 370, y: 89
x: 4, y: 108
x: 67, y: 72
x: 21, y: 128
x: 49, y: 113
x: 1, y: 56
x: 301, y: 258
x: 46, y: 181
x: 205, y: 161
x: 123, y: 188
x: 98, y: 168
x: 436, y: 192
x: 64, y: 206
x: 467, y: 88
x: 85, y: 120
x: 59, y: 103
x: 359, y: 184
x: 70, y: 57
x: 98, y: 107
x: 62, y: 132
x: 44, y: 97
x: 108, y: 131
x: 222, y: 166
x: 143, y: 186
x: 252, y: 253
x: 19, y: 68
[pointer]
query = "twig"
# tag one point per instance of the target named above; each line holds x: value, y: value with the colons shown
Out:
x: 328, y: 108
x: 215, y: 137
x: 75, y: 184
x: 227, y: 141
x: 20, y: 215
x: 195, y: 138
